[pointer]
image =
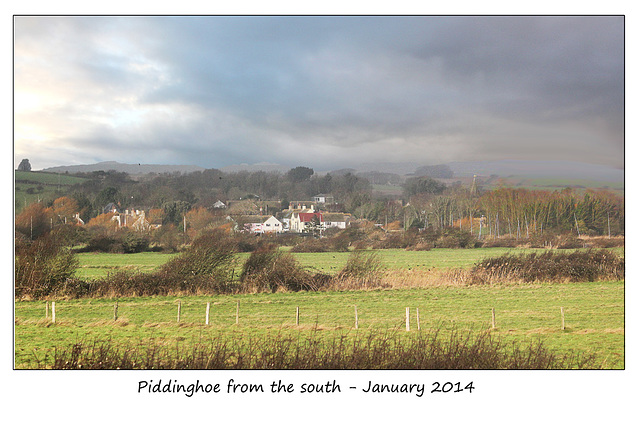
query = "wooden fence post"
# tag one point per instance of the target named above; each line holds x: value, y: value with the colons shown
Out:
x: 493, y: 318
x: 179, y: 308
x: 297, y: 316
x: 115, y: 311
x: 562, y: 316
x: 356, y: 308
x: 206, y: 321
x: 418, y: 317
x: 407, y: 319
x: 53, y: 311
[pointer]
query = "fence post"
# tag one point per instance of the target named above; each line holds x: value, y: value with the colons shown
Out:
x: 418, y: 317
x: 179, y: 308
x: 297, y: 316
x: 206, y: 322
x: 115, y: 311
x: 407, y: 319
x: 562, y: 316
x: 237, y: 312
x: 493, y: 318
x: 356, y: 308
x: 53, y: 311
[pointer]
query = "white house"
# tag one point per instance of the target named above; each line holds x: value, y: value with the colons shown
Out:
x: 219, y: 205
x: 261, y: 224
x: 335, y: 220
x: 323, y: 198
x: 299, y: 221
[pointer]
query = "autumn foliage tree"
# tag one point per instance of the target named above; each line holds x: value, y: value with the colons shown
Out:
x: 198, y: 219
x: 34, y: 221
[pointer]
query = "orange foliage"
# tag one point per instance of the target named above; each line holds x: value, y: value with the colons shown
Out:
x: 103, y: 220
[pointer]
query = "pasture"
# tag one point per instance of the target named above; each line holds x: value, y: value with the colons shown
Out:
x: 94, y: 265
x: 593, y: 312
x: 31, y: 187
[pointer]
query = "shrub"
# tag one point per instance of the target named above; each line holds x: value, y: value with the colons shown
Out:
x: 363, y: 269
x: 455, y: 238
x: 313, y: 245
x: 211, y: 254
x: 268, y: 269
x: 589, y: 266
x: 433, y: 349
x: 398, y: 240
x: 42, y: 266
x: 134, y: 243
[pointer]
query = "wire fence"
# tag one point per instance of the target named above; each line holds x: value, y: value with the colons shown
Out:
x: 265, y: 314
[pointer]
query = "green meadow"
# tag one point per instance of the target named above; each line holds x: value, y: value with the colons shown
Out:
x: 594, y: 317
x: 31, y: 187
x: 94, y: 265
x: 593, y: 312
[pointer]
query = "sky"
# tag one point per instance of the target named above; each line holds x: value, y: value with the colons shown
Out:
x: 324, y: 92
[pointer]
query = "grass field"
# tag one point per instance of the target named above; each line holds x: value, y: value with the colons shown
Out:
x: 94, y: 265
x: 594, y: 316
x: 34, y: 186
x: 594, y: 312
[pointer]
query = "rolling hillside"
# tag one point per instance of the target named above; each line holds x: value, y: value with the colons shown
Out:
x: 40, y: 186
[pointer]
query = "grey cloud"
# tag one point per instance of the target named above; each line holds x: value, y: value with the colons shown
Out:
x: 242, y: 87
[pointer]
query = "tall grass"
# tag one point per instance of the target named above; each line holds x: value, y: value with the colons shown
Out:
x: 435, y: 349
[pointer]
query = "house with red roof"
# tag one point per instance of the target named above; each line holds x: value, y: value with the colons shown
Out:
x: 299, y: 221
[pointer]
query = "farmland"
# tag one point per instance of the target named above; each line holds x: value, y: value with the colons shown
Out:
x: 594, y: 312
x: 93, y: 265
x: 32, y: 187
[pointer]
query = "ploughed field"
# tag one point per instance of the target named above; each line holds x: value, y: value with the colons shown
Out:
x: 524, y: 313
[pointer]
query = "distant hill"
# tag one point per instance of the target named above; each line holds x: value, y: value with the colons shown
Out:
x: 265, y: 167
x: 539, y: 169
x: 507, y: 168
x: 131, y: 169
x: 502, y: 168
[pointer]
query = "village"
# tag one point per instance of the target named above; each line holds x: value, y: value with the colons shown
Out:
x: 248, y: 216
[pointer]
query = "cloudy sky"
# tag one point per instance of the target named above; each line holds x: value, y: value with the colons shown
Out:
x: 325, y: 92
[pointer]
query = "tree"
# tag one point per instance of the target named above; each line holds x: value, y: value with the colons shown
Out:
x: 64, y: 209
x: 198, y: 219
x: 299, y: 174
x: 43, y: 266
x: 24, y: 165
x: 33, y: 221
x: 423, y: 184
x: 175, y: 211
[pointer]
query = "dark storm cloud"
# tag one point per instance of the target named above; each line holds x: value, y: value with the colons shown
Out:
x: 329, y: 91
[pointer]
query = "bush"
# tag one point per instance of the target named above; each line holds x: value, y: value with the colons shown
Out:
x: 434, y: 349
x: 42, y: 266
x: 363, y: 269
x: 398, y: 240
x: 211, y: 254
x: 135, y: 243
x: 578, y: 266
x: 268, y: 269
x: 312, y: 245
x: 455, y: 238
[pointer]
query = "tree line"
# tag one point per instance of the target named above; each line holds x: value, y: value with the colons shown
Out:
x: 426, y: 202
